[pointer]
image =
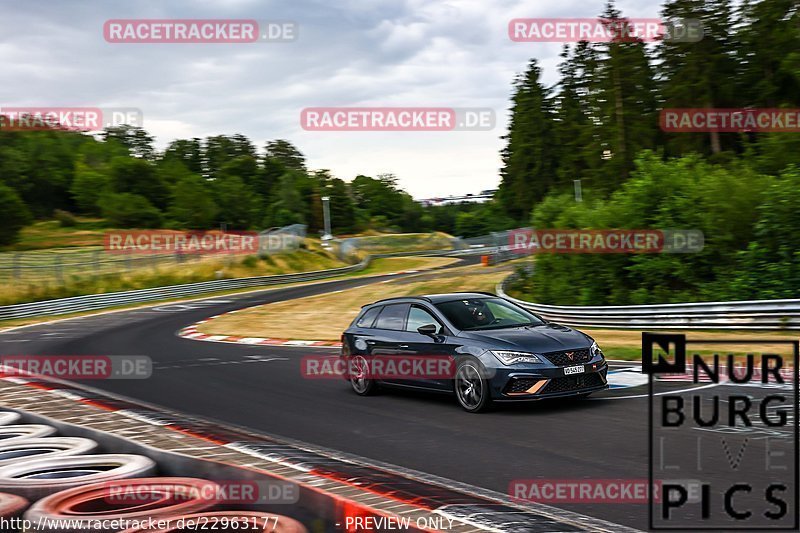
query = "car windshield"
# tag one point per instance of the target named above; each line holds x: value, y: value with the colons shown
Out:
x: 486, y: 313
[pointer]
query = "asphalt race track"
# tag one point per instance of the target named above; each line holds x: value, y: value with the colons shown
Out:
x: 261, y: 387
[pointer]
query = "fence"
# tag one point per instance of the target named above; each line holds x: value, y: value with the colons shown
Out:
x: 93, y: 302
x: 756, y: 314
x: 48, y: 266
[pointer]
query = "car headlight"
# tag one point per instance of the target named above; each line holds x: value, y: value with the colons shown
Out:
x: 595, y: 350
x: 512, y: 358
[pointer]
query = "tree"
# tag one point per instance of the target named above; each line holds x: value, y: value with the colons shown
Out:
x: 221, y: 149
x: 529, y: 157
x: 341, y: 206
x: 700, y: 74
x: 627, y: 104
x: 379, y: 197
x: 192, y: 204
x: 289, y: 206
x: 188, y: 151
x: 286, y: 154
x: 769, y: 60
x: 128, y: 210
x: 244, y: 167
x: 13, y: 216
x: 238, y: 204
x: 577, y: 134
x: 770, y: 266
x: 135, y: 139
x: 88, y: 187
x: 139, y: 176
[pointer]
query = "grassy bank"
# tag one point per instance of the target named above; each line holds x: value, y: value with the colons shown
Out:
x: 76, y: 283
x: 408, y: 242
x: 325, y: 316
x: 376, y: 268
x: 51, y: 234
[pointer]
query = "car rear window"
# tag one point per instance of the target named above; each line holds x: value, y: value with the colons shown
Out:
x: 393, y: 317
x: 368, y: 318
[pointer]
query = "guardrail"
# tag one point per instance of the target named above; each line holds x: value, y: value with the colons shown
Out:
x: 751, y: 314
x: 92, y: 302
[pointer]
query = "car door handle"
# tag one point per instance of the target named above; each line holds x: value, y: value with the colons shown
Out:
x: 404, y: 346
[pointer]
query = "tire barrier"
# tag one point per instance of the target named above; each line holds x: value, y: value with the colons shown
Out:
x: 11, y: 505
x: 116, y: 501
x: 74, y: 488
x: 46, y: 447
x: 9, y: 417
x: 229, y: 521
x: 37, y: 478
x: 18, y: 432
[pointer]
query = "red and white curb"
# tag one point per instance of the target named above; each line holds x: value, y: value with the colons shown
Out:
x: 190, y: 332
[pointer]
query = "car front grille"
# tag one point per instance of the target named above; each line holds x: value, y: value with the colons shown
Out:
x: 563, y: 358
x: 573, y: 383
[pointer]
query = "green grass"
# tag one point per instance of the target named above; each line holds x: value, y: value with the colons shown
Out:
x: 376, y: 268
x: 389, y: 243
x: 147, y: 275
x: 50, y: 234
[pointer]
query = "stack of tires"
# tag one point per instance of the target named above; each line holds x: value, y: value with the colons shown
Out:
x: 64, y: 484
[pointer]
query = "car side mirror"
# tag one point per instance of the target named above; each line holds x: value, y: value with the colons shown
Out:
x: 428, y: 329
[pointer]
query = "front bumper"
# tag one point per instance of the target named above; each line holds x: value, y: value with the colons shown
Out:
x: 512, y: 385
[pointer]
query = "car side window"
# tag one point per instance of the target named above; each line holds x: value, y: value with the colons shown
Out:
x: 368, y: 318
x: 392, y: 317
x: 420, y: 317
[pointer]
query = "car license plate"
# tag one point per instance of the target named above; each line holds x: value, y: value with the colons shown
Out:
x: 573, y: 370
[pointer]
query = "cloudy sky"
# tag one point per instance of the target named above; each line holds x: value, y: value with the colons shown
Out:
x: 447, y: 53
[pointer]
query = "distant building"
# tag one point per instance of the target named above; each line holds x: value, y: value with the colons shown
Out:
x: 483, y: 196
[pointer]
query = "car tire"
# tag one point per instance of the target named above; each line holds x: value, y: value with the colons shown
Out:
x: 471, y: 388
x: 18, y: 432
x: 132, y: 500
x: 12, y: 505
x: 358, y: 369
x: 37, y: 478
x: 19, y: 450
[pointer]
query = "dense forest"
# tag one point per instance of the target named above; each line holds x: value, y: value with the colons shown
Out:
x: 600, y: 124
x: 220, y: 181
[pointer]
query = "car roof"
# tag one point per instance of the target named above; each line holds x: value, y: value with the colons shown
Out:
x: 434, y: 298
x: 447, y: 297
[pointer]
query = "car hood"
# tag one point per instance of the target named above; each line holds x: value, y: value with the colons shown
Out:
x: 540, y: 339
